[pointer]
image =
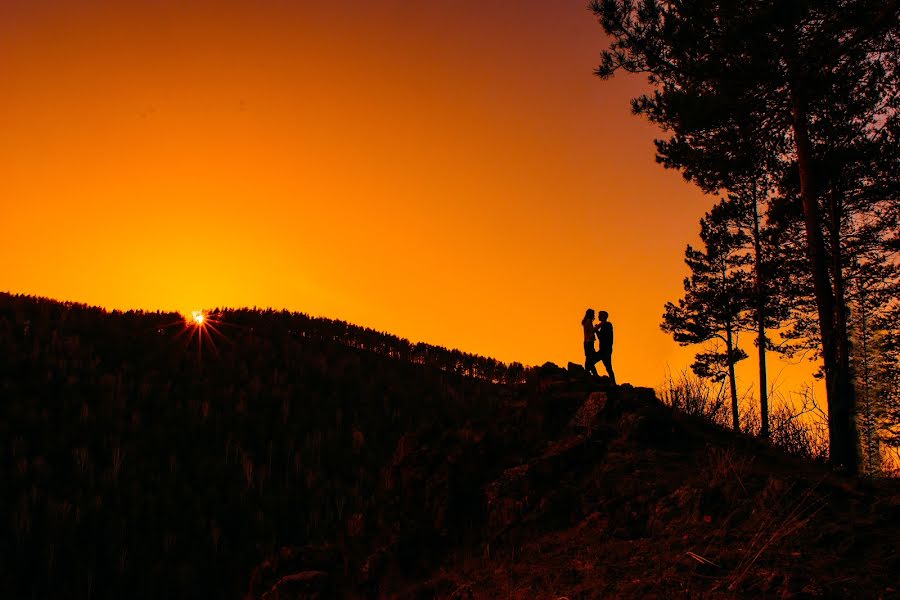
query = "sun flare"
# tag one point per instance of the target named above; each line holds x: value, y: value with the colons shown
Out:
x: 202, y: 326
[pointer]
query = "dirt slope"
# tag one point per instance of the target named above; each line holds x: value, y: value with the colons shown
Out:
x: 577, y: 490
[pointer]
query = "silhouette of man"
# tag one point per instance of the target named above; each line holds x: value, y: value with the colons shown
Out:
x: 605, y: 337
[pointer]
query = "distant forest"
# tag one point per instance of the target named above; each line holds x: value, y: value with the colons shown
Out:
x: 134, y: 465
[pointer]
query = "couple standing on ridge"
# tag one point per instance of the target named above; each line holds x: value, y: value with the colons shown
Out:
x: 604, y: 332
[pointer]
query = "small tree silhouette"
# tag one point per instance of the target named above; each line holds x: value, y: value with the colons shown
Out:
x: 711, y: 309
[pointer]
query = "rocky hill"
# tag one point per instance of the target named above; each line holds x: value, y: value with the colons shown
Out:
x: 308, y: 458
x: 573, y: 489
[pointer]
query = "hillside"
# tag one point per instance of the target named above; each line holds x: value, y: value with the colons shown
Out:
x: 301, y: 458
x: 570, y: 491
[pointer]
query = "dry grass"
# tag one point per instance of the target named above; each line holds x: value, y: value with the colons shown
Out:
x: 797, y: 424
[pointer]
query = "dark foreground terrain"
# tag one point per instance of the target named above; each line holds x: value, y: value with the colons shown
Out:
x: 571, y: 493
x: 307, y: 458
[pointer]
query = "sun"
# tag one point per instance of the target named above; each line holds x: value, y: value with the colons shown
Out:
x: 201, y: 324
x: 197, y: 318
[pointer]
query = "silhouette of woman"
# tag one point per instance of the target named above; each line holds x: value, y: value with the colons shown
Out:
x: 590, y: 358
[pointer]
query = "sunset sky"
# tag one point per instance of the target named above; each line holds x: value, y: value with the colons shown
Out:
x: 451, y: 172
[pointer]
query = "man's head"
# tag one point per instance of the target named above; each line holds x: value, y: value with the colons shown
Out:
x: 602, y: 315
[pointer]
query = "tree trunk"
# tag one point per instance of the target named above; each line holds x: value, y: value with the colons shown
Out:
x: 841, y: 435
x: 760, y: 323
x: 842, y: 336
x: 729, y: 348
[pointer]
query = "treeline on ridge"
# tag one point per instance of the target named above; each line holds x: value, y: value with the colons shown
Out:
x: 136, y: 466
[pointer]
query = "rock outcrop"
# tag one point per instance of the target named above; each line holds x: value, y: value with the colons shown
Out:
x: 578, y: 489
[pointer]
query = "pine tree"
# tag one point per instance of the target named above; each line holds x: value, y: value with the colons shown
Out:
x: 860, y: 196
x: 766, y: 309
x: 714, y: 302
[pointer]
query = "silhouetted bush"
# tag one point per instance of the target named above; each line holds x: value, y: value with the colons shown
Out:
x: 798, y: 426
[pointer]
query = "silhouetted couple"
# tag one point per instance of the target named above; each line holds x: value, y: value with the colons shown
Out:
x: 603, y: 330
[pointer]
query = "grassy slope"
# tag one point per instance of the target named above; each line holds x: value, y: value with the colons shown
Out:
x: 565, y: 494
x: 645, y: 503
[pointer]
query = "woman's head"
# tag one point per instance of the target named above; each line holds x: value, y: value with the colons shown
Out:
x: 588, y: 315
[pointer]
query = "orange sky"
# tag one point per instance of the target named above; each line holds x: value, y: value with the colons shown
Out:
x: 450, y: 172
